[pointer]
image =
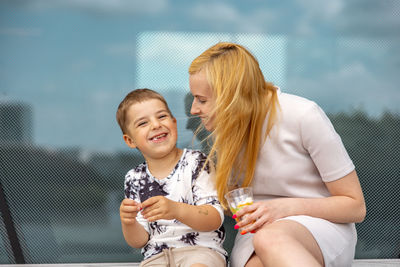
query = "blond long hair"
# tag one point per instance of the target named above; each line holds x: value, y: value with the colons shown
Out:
x: 243, y: 99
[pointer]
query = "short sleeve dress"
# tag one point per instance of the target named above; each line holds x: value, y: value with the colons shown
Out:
x: 302, y: 152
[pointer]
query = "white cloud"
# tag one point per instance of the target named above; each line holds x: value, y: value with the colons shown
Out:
x: 22, y: 32
x: 221, y: 16
x: 351, y: 86
x: 215, y: 11
x: 320, y: 10
x: 360, y: 17
x: 81, y: 65
x: 314, y: 14
x: 148, y: 7
x: 121, y: 6
x: 121, y: 49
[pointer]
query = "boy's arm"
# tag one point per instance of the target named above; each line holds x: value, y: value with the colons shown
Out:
x: 201, y: 218
x: 134, y: 233
x: 207, y: 213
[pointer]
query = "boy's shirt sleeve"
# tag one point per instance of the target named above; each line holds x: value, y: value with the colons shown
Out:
x: 204, y: 190
x: 131, y: 190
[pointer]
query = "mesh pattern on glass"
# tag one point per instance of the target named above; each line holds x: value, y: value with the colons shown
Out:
x: 65, y: 200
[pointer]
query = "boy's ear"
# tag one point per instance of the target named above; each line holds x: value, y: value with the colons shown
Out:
x: 129, y: 141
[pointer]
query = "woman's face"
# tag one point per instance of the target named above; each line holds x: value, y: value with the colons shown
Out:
x: 203, y: 102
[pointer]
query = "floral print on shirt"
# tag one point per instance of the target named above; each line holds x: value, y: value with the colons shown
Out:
x: 189, y: 182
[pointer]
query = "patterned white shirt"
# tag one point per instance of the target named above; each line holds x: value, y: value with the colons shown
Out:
x: 188, y: 183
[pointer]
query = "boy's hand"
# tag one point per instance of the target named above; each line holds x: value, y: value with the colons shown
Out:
x: 159, y: 207
x: 128, y: 210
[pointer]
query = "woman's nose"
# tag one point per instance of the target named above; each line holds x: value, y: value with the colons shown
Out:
x: 194, y: 110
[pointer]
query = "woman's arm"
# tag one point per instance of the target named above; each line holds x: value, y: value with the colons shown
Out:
x: 345, y: 205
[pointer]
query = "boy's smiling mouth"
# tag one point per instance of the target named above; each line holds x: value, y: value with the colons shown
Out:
x: 159, y: 137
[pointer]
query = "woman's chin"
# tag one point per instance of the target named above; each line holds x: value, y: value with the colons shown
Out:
x: 208, y: 127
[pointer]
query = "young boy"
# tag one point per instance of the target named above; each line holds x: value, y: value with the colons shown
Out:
x: 171, y: 209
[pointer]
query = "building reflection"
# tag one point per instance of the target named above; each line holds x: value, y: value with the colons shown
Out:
x: 15, y: 122
x: 64, y: 202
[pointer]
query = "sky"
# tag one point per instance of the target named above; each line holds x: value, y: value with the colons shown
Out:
x: 73, y: 61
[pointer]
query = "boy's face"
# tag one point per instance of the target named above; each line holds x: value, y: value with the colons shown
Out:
x: 151, y: 129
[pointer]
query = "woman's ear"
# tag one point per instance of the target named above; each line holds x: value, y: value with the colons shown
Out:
x: 129, y: 141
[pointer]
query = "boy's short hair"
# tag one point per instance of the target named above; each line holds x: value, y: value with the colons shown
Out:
x: 136, y: 96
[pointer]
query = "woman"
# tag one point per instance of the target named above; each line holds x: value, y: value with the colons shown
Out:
x: 306, y: 190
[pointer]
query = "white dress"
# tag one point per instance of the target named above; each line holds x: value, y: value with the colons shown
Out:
x: 302, y: 152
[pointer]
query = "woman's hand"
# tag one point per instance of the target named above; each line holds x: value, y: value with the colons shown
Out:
x: 345, y: 205
x: 128, y: 210
x: 253, y: 217
x: 159, y: 207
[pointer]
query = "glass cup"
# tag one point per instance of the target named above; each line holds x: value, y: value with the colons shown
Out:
x: 238, y: 198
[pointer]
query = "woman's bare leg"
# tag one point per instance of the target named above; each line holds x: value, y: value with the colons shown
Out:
x: 285, y: 243
x: 254, y: 261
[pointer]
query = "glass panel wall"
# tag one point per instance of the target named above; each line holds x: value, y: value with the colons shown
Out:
x: 66, y: 65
